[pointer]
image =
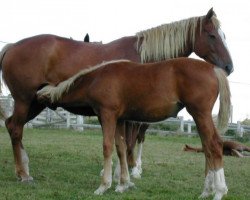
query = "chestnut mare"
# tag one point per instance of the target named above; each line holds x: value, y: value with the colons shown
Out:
x: 32, y: 62
x: 118, y: 91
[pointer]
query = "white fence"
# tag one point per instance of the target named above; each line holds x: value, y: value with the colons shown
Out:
x: 63, y: 119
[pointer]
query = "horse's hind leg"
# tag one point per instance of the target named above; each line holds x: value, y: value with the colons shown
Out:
x: 212, y: 146
x: 131, y: 137
x: 120, y: 143
x: 15, y: 125
x: 131, y: 133
x: 140, y: 132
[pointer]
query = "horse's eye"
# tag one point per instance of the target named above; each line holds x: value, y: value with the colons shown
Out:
x: 212, y: 36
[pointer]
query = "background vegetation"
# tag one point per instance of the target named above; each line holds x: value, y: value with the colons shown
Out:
x: 66, y: 164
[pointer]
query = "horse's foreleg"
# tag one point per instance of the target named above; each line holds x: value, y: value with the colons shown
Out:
x: 108, y: 122
x: 120, y: 138
x: 212, y: 146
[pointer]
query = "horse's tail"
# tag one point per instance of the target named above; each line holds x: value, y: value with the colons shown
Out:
x: 225, y: 100
x: 2, y: 54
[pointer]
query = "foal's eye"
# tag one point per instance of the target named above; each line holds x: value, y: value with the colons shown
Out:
x: 212, y: 37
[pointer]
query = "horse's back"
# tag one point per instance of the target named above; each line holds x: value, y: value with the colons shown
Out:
x: 44, y: 59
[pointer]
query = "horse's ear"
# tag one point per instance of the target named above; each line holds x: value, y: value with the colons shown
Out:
x: 86, y: 38
x: 210, y: 14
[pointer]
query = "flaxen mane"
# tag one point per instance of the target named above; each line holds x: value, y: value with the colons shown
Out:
x: 169, y: 40
x: 56, y: 92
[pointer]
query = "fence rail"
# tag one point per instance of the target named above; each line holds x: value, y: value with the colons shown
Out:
x: 63, y: 119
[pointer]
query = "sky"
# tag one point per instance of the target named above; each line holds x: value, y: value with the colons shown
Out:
x: 111, y: 19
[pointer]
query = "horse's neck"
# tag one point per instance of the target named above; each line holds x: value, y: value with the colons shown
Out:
x: 126, y: 48
x: 187, y: 51
x: 123, y: 48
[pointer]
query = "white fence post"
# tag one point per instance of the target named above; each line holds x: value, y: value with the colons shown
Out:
x: 10, y: 106
x: 79, y: 123
x: 240, y: 129
x: 67, y: 119
x: 189, y: 126
x: 48, y: 115
x: 181, y: 124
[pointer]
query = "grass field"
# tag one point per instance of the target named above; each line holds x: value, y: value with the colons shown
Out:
x: 65, y: 165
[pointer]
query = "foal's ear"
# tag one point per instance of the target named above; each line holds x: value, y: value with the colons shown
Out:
x: 210, y: 14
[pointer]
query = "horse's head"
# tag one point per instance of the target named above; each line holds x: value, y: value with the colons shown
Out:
x: 210, y: 43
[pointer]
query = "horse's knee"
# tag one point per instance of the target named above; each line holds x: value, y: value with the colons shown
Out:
x: 8, y: 123
x: 217, y: 146
x: 213, y: 149
x: 107, y: 150
x: 14, y: 132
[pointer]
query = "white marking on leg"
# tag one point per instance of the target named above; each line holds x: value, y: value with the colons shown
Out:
x: 107, y: 177
x: 126, y: 180
x: 102, y: 171
x: 25, y: 165
x: 137, y: 170
x: 136, y: 173
x: 220, y: 184
x: 215, y: 183
x: 208, y: 185
x: 123, y: 187
x: 117, y: 172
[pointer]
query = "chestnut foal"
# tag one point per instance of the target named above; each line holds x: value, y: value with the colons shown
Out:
x: 118, y: 91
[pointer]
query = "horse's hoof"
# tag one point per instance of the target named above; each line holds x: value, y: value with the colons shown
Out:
x: 136, y: 173
x: 102, y: 188
x: 99, y: 192
x: 26, y: 179
x: 116, y: 178
x: 204, y: 195
x: 216, y: 197
x: 220, y: 193
x: 123, y: 187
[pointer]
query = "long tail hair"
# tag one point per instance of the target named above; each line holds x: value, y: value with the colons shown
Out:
x: 225, y: 101
x: 2, y: 54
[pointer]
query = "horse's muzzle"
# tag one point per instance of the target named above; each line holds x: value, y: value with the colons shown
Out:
x: 229, y: 69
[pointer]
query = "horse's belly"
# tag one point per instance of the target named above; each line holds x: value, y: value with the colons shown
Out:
x: 154, y: 113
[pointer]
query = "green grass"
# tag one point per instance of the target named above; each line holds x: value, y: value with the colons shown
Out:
x: 65, y: 165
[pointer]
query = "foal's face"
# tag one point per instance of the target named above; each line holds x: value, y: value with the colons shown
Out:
x: 210, y: 44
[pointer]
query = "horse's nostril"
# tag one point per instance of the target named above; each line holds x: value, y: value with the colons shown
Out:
x: 229, y: 69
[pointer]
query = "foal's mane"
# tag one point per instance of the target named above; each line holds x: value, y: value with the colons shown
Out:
x: 56, y: 92
x: 169, y: 40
